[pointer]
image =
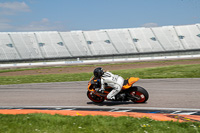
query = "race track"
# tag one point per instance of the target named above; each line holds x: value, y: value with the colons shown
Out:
x: 164, y: 93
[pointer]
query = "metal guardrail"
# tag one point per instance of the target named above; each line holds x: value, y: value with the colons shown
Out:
x: 97, y: 61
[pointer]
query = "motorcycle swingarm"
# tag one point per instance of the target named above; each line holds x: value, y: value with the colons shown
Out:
x: 100, y: 94
x: 131, y: 97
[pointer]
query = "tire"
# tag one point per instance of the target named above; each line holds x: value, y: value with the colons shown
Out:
x: 139, y: 92
x: 95, y: 98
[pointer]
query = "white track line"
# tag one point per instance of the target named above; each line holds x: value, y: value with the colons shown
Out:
x: 98, y: 107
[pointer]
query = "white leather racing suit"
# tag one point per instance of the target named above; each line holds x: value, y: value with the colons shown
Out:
x: 114, y: 81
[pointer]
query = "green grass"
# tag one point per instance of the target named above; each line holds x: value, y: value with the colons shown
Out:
x: 45, y: 123
x: 44, y: 78
x: 177, y: 71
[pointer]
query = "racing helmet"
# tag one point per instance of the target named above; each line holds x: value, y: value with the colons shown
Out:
x: 98, y: 72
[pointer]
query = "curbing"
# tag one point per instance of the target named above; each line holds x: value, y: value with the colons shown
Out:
x: 158, y: 117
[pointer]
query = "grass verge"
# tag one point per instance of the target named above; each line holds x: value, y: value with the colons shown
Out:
x: 177, y: 71
x: 46, y: 123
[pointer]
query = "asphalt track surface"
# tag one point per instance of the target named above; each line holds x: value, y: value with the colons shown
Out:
x: 164, y: 94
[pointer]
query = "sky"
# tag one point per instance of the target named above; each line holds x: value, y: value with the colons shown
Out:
x: 85, y: 15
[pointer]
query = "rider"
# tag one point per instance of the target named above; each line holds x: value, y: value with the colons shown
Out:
x: 109, y: 79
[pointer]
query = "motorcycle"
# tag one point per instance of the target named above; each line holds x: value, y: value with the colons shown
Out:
x: 128, y: 92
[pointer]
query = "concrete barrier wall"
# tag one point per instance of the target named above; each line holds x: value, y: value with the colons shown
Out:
x: 54, y: 44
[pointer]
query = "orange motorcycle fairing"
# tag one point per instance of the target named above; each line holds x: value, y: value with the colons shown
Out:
x: 89, y: 84
x: 131, y: 81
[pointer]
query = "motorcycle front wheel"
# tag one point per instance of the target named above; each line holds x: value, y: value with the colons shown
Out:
x: 95, y: 98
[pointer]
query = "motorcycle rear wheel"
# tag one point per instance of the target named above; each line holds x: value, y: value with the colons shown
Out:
x: 140, y: 93
x: 95, y: 98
